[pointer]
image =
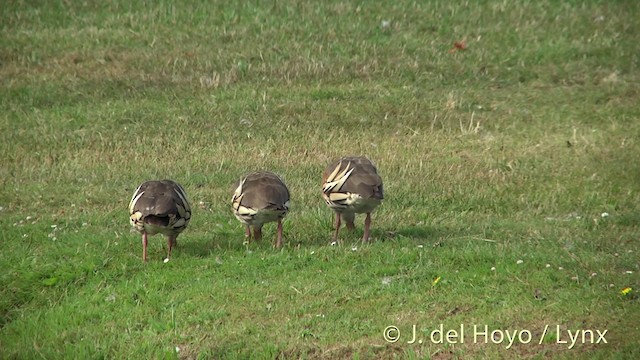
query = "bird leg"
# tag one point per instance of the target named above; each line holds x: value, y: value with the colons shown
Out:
x: 335, y: 234
x: 144, y: 246
x: 279, y: 236
x: 367, y: 224
x: 349, y: 218
x: 247, y: 232
x: 171, y: 242
x: 257, y: 232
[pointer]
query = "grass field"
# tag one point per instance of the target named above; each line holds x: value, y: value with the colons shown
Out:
x: 510, y: 164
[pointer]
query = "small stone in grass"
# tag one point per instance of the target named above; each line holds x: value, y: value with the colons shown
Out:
x: 519, y: 262
x: 166, y: 260
x: 547, y: 266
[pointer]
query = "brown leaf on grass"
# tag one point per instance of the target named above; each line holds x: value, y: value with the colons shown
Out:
x: 458, y: 45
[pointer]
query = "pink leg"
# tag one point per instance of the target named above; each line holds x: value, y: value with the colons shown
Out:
x: 144, y: 246
x: 171, y: 242
x: 367, y: 224
x: 247, y: 232
x: 350, y: 225
x: 279, y: 236
x: 257, y: 232
x: 338, y: 220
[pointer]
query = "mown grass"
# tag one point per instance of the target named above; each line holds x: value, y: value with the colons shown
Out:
x: 501, y: 163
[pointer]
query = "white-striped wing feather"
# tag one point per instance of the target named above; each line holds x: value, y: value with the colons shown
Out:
x: 335, y: 181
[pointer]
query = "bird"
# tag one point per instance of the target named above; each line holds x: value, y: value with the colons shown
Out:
x: 159, y: 206
x: 259, y: 198
x: 351, y: 185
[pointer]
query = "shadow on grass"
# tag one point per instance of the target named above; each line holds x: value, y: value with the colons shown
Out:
x: 414, y: 232
x: 211, y: 246
x: 384, y: 234
x: 435, y: 234
x: 199, y: 249
x: 235, y: 241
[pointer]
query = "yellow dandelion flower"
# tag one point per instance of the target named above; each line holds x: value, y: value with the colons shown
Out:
x: 625, y: 291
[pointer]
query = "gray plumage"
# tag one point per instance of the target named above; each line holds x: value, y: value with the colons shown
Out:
x: 159, y: 206
x: 351, y: 185
x: 259, y: 198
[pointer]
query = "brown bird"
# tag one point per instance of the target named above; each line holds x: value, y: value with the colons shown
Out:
x: 351, y: 185
x: 259, y: 198
x: 159, y: 206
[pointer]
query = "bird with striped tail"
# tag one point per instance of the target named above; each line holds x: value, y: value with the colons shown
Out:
x: 159, y: 206
x: 351, y: 185
x: 259, y: 198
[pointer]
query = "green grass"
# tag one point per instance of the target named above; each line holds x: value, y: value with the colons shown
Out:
x: 498, y: 161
